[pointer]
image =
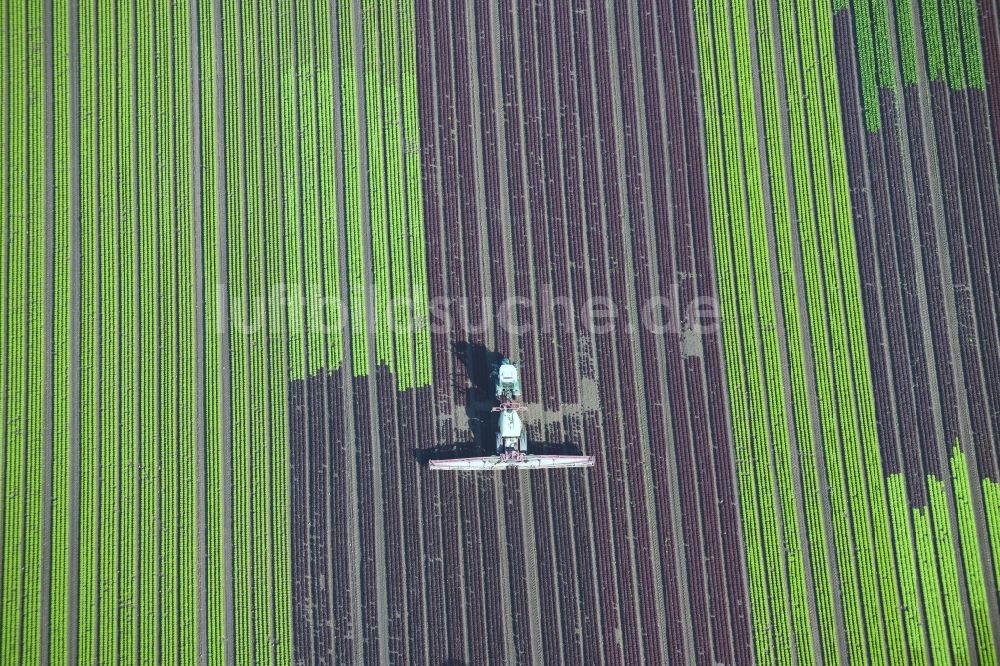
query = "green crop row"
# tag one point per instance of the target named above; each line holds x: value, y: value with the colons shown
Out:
x: 414, y: 195
x: 129, y: 518
x: 912, y: 616
x: 759, y: 596
x: 36, y: 273
x: 878, y: 556
x: 253, y: 461
x: 883, y: 43
x: 907, y: 41
x: 769, y: 322
x: 377, y: 181
x: 89, y: 339
x: 8, y: 186
x: 851, y: 291
x: 812, y: 270
x: 215, y: 544
x: 149, y: 286
x: 312, y: 239
x: 870, y: 63
x: 266, y: 557
x: 392, y: 126
x: 953, y: 43
x: 812, y: 187
x: 167, y: 203
x: 290, y: 171
x: 933, y: 40
x: 245, y: 515
x: 326, y: 92
x: 949, y: 26
x: 930, y: 585
x: 974, y: 579
x: 781, y: 204
x: 352, y: 191
x: 110, y: 231
x: 236, y: 195
x: 61, y: 307
x: 277, y: 512
x: 968, y: 11
x: 756, y: 279
x: 944, y: 540
x: 14, y: 431
x: 991, y: 501
x: 186, y: 530
x: 5, y: 237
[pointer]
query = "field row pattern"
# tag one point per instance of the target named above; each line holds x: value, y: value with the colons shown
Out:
x: 881, y: 565
x: 556, y: 148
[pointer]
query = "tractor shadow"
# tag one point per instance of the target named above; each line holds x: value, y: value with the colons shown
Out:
x: 480, y: 392
x: 480, y: 398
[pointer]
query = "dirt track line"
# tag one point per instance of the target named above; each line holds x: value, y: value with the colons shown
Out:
x: 365, y: 204
x: 513, y: 350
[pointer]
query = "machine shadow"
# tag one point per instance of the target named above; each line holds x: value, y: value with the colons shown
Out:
x: 480, y: 393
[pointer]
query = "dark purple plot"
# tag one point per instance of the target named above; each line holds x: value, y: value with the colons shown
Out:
x: 318, y: 516
x: 927, y: 236
x: 299, y: 492
x: 392, y: 501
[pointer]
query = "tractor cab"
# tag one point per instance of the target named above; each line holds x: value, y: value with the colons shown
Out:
x: 508, y: 380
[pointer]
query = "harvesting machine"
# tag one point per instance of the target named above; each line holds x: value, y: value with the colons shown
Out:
x: 511, y: 436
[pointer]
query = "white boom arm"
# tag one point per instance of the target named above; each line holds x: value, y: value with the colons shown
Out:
x: 512, y: 462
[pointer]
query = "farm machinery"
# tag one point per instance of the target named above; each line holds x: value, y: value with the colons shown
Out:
x: 511, y: 435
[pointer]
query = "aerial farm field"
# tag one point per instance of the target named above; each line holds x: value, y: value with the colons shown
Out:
x: 259, y: 257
